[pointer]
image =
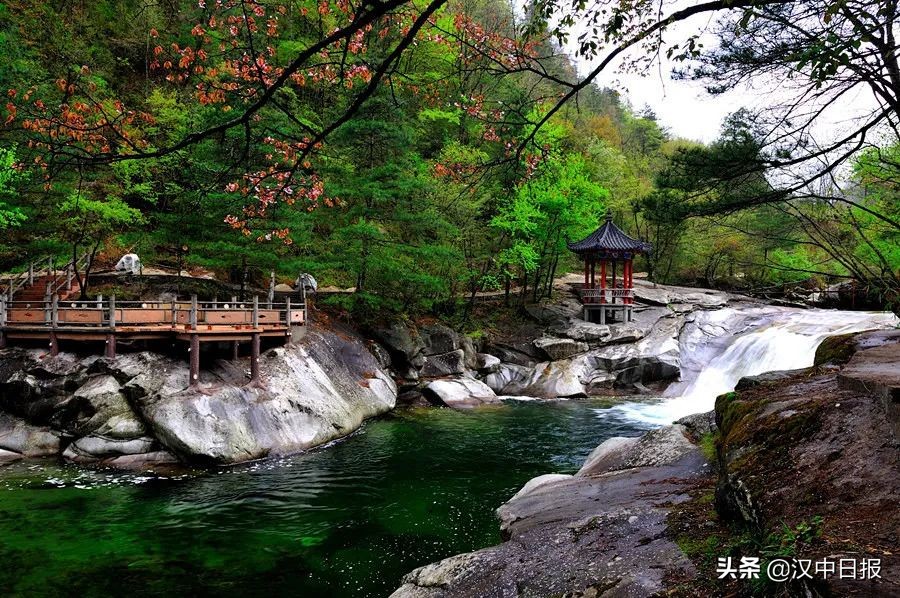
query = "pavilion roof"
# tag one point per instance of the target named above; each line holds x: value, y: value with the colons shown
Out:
x: 609, y: 238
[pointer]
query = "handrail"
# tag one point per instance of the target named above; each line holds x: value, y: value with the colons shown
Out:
x: 26, y: 276
x: 193, y: 315
x: 69, y: 269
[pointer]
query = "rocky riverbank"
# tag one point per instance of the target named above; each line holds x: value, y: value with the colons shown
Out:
x: 799, y: 464
x: 139, y: 411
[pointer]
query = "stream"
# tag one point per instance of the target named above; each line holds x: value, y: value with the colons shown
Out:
x: 350, y: 519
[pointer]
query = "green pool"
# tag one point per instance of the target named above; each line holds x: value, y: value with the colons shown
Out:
x: 346, y: 520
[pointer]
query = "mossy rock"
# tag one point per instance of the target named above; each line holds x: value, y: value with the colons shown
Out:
x: 836, y: 350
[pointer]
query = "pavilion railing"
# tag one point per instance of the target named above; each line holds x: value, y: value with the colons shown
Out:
x: 609, y: 296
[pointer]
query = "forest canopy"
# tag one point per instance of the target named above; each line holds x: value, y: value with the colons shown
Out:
x: 425, y: 152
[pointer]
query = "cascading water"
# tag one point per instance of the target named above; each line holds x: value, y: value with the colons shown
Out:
x: 719, y: 348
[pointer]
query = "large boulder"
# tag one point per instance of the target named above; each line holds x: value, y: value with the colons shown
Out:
x: 404, y: 345
x: 20, y: 437
x: 460, y: 392
x: 444, y: 364
x: 486, y: 364
x: 662, y: 446
x: 312, y: 393
x: 99, y: 403
x: 559, y: 348
x: 95, y: 447
x: 438, y: 339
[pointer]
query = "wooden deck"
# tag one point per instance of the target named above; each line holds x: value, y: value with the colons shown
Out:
x: 109, y: 321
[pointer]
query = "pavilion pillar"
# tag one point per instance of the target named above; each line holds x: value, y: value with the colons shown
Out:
x: 613, y: 282
x: 593, y: 272
x: 603, y: 281
x: 110, y: 345
x: 195, y: 359
x: 587, y: 272
x: 235, y: 350
x: 2, y: 339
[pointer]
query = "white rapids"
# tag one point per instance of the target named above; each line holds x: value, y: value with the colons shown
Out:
x: 720, y: 347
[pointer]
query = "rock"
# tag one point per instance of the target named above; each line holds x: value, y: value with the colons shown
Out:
x: 93, y: 405
x: 559, y: 348
x: 283, y: 288
x: 95, y: 448
x: 768, y: 377
x: 580, y: 330
x: 406, y: 349
x: 486, y: 364
x: 541, y: 480
x: 438, y: 339
x: 548, y: 380
x: 662, y: 446
x: 9, y: 456
x: 523, y: 353
x: 142, y: 461
x: 506, y: 375
x: 122, y: 427
x: 818, y: 444
x: 444, y: 364
x: 460, y: 392
x: 314, y: 392
x: 30, y: 441
x: 471, y: 352
x: 574, y: 536
x: 699, y: 424
x: 381, y: 355
x: 610, y: 452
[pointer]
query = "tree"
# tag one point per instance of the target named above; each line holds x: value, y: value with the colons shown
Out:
x: 86, y: 223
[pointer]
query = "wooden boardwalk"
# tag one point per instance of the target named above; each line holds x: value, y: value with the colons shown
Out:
x: 27, y: 315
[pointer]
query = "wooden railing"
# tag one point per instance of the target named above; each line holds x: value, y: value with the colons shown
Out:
x: 182, y: 315
x: 609, y: 296
x: 45, y: 266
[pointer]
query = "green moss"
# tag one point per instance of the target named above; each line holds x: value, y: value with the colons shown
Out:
x: 835, y: 350
x: 708, y: 445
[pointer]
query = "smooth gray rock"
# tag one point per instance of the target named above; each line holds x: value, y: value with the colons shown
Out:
x: 143, y: 461
x: 460, y: 392
x: 9, y: 456
x: 574, y: 536
x: 699, y: 424
x: 312, y: 393
x: 486, y: 364
x: 94, y: 448
x: 18, y: 436
x: 93, y: 406
x: 559, y: 348
x: 662, y: 446
x: 444, y: 364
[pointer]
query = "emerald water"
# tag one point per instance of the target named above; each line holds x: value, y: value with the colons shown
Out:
x: 345, y: 520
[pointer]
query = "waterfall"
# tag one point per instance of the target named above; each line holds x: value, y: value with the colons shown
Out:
x: 719, y: 348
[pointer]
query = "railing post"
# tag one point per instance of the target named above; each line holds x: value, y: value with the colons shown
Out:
x: 193, y: 312
x: 287, y: 320
x: 255, y: 320
x: 3, y: 317
x: 54, y: 321
x: 174, y: 312
x: 271, y: 289
x: 112, y: 312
